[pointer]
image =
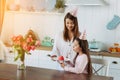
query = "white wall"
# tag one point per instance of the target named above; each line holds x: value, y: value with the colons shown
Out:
x: 92, y: 18
x: 95, y: 18
x: 43, y: 24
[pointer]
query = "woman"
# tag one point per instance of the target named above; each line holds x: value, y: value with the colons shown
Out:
x: 82, y: 62
x: 63, y: 41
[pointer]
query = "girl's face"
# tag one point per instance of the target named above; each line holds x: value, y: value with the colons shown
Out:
x: 76, y: 46
x: 69, y: 24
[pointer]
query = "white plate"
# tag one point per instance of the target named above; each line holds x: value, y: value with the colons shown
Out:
x: 67, y: 59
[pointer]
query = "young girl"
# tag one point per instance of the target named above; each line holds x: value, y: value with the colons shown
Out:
x: 82, y: 62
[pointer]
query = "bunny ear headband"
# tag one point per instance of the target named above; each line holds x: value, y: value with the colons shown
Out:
x: 83, y: 35
x: 74, y: 12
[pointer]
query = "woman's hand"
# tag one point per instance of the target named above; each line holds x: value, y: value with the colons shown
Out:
x: 53, y: 57
x: 83, y: 35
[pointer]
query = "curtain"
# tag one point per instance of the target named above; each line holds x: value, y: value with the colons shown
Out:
x: 2, y: 11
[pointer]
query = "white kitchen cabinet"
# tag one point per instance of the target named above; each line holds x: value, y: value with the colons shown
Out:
x: 40, y: 58
x: 32, y: 60
x: 114, y: 69
x: 44, y: 61
x: 97, y: 66
x: 114, y: 66
x: 9, y: 57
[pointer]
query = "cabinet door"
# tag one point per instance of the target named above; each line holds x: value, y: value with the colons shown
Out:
x: 44, y: 61
x: 32, y: 60
x: 114, y: 62
x: 115, y: 73
x: 9, y: 57
x: 114, y: 69
x: 97, y: 66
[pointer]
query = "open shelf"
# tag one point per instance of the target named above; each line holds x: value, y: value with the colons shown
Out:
x: 28, y: 12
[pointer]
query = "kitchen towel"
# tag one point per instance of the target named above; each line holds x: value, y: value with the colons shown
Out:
x: 113, y: 23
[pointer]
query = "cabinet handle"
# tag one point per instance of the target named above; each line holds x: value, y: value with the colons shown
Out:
x: 115, y: 62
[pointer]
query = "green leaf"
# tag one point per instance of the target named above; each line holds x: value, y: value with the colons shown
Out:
x: 17, y: 57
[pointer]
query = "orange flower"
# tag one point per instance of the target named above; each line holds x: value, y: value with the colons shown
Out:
x: 17, y: 43
x: 29, y: 39
x: 32, y: 47
x: 19, y: 37
x: 37, y: 43
x: 28, y: 48
x: 23, y: 45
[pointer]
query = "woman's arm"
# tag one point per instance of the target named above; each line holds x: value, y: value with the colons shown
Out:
x: 55, y: 50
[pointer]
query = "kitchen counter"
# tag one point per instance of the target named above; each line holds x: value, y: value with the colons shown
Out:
x: 10, y: 72
x: 101, y: 53
x: 105, y: 53
x: 44, y: 48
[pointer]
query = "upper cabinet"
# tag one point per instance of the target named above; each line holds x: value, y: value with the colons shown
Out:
x: 86, y: 2
x: 35, y: 5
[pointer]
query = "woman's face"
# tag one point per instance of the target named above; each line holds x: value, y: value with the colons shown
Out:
x: 69, y: 24
x: 76, y: 46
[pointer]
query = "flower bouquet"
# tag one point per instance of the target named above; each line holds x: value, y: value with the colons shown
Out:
x: 23, y: 45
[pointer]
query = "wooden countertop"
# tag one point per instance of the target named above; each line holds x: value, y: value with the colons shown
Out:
x: 101, y: 53
x: 44, y: 48
x: 10, y: 72
x: 105, y: 53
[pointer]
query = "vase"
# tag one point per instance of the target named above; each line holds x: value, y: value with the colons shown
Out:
x: 21, y: 65
x: 21, y: 75
x: 21, y: 62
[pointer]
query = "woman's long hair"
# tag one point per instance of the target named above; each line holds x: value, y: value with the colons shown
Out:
x: 84, y: 45
x: 75, y: 30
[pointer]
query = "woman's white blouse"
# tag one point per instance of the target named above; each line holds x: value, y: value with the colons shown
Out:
x: 80, y: 65
x: 62, y: 47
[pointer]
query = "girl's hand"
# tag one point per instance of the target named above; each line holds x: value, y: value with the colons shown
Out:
x: 62, y: 65
x: 67, y: 62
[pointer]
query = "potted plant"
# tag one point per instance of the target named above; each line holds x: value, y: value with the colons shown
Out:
x: 59, y: 6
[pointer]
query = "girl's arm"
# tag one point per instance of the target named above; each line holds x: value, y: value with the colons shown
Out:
x: 80, y: 65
